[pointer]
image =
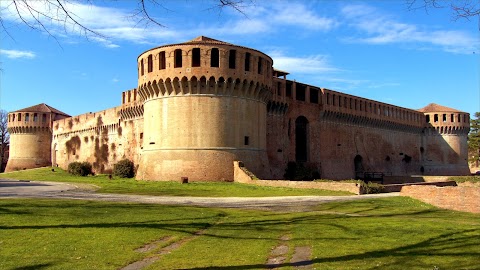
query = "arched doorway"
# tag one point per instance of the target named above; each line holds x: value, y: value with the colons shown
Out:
x: 301, y: 139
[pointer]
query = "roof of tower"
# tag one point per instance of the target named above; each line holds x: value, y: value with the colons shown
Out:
x: 42, y: 107
x: 432, y: 107
x: 206, y: 40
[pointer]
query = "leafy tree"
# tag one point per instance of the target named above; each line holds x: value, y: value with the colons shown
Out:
x: 474, y: 140
x: 4, y: 138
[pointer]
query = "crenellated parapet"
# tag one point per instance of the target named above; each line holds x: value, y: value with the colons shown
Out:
x: 441, y: 120
x: 204, y: 66
x: 277, y: 107
x: 201, y: 86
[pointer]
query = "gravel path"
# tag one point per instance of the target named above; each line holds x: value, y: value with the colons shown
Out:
x: 55, y: 190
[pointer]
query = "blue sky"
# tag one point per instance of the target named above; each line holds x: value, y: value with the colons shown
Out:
x: 374, y: 49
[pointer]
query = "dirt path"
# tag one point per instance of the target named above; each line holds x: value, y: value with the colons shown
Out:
x: 54, y: 190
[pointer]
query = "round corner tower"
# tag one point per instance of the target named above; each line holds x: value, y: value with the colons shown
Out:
x: 204, y: 107
x: 445, y: 145
x: 31, y: 137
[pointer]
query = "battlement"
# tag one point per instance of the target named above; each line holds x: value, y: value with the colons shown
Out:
x: 204, y: 66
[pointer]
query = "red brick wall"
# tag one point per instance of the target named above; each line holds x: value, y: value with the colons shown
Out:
x: 460, y: 198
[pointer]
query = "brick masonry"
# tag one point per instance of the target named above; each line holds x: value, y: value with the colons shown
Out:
x: 461, y: 198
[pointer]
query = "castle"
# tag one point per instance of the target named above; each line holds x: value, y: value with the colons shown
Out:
x: 204, y: 103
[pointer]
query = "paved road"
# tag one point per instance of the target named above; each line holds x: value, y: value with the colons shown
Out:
x: 54, y: 190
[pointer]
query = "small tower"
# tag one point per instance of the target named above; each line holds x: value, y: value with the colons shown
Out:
x: 204, y: 107
x: 444, y: 144
x: 31, y: 136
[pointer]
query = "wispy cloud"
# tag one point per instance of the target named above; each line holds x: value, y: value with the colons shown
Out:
x: 15, y: 54
x: 311, y: 64
x: 117, y: 24
x: 105, y: 25
x: 376, y: 27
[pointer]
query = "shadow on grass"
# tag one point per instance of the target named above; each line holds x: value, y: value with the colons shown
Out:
x: 406, y: 255
x: 34, y: 266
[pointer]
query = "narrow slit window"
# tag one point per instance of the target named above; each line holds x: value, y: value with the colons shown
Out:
x: 162, y: 61
x: 247, y: 61
x: 196, y: 57
x: 142, y: 71
x: 313, y: 95
x: 19, y: 117
x: 452, y: 118
x: 150, y: 63
x: 260, y: 65
x: 178, y: 58
x: 232, y: 59
x: 215, y: 58
x: 246, y: 140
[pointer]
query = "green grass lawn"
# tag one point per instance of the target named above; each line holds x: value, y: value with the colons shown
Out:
x: 390, y: 233
x: 132, y: 186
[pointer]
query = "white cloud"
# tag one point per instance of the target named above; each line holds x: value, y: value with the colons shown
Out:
x: 300, y: 15
x: 312, y: 64
x: 375, y: 27
x: 14, y: 54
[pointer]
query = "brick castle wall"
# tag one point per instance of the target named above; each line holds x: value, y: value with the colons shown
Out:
x: 461, y: 198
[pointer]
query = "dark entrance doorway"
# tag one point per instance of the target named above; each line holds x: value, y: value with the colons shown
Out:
x: 301, y: 139
x: 357, y: 161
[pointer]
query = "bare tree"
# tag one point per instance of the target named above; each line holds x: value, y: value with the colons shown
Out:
x: 461, y: 9
x: 45, y: 15
x: 4, y: 139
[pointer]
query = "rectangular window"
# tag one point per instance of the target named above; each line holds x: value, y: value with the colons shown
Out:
x: 178, y: 58
x: 44, y: 118
x: 427, y: 118
x: 288, y: 89
x: 435, y: 118
x: 328, y: 99
x: 313, y: 95
x: 300, y: 92
x: 452, y: 118
x: 150, y: 63
x: 162, y: 61
x: 35, y: 117
x: 196, y: 57
x: 246, y: 140
x: 232, y: 57
x: 215, y: 58
x: 13, y: 118
x: 260, y: 65
x: 444, y: 117
x: 247, y: 61
x: 20, y: 117
x: 27, y: 117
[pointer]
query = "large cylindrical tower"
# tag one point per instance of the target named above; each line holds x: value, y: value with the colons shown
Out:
x: 445, y: 148
x: 204, y: 107
x: 31, y: 136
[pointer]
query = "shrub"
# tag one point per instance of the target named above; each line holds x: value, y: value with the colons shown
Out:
x: 124, y: 168
x: 80, y: 168
x: 371, y: 188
